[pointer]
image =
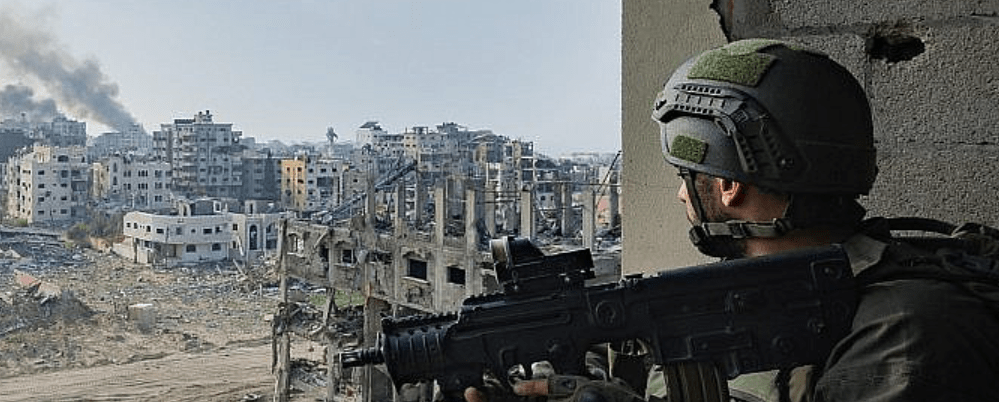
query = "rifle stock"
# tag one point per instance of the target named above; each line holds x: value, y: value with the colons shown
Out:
x: 744, y: 316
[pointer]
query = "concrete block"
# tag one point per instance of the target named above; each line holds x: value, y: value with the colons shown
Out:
x: 143, y: 315
x: 800, y: 14
x: 951, y: 182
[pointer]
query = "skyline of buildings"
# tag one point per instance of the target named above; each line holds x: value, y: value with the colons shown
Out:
x: 198, y: 157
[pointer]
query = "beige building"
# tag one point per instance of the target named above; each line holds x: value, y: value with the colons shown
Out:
x: 48, y: 184
x: 310, y: 183
x: 135, y: 182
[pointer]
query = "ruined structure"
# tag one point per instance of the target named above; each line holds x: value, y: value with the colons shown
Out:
x: 412, y: 248
x: 261, y: 175
x: 134, y: 141
x: 136, y: 182
x: 311, y: 183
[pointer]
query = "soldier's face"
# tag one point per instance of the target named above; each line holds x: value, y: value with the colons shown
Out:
x: 709, y: 194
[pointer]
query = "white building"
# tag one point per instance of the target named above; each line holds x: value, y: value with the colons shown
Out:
x: 61, y: 132
x: 47, y: 184
x: 203, y: 231
x: 367, y: 132
x: 135, y: 182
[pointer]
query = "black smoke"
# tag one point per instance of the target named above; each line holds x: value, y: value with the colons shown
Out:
x: 16, y: 100
x: 79, y: 88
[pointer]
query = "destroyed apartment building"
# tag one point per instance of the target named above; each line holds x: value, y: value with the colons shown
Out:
x: 400, y: 221
x: 415, y: 240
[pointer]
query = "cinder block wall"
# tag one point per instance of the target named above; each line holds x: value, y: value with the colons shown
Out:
x: 930, y: 68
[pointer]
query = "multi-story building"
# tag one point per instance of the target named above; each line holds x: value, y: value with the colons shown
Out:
x: 261, y: 176
x: 134, y: 141
x: 367, y: 132
x: 310, y: 183
x: 202, y: 231
x: 136, y: 182
x: 48, y: 184
x: 205, y: 156
x: 61, y: 132
x: 12, y: 140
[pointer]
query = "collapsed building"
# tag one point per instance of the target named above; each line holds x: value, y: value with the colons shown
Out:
x: 412, y: 243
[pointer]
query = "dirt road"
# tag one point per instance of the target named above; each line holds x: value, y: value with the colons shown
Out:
x: 239, y: 374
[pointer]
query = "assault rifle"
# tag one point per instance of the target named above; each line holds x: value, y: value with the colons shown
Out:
x: 743, y: 316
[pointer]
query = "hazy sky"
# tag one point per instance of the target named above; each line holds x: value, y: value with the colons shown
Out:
x: 541, y: 70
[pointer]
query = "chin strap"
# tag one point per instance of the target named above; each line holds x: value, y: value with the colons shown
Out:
x: 745, y: 229
x: 717, y: 238
x: 692, y: 196
x: 721, y: 239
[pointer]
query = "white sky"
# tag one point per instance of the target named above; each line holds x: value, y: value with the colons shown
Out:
x: 541, y: 70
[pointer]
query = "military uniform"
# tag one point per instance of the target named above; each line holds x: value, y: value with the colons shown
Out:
x: 793, y: 122
x: 918, y: 335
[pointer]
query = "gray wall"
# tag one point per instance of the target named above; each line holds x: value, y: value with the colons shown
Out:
x: 657, y: 36
x: 930, y: 68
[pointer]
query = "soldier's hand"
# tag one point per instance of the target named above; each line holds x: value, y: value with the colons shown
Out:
x: 521, y: 390
x: 561, y: 388
x: 565, y: 388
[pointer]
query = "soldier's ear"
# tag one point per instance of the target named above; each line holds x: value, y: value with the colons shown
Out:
x: 732, y: 192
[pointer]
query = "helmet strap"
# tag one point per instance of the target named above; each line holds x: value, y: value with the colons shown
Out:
x: 689, y: 179
x: 721, y: 239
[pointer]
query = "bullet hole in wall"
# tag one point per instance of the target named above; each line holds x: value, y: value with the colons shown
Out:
x: 894, y: 46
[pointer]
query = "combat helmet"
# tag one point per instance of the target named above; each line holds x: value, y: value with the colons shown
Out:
x: 772, y: 114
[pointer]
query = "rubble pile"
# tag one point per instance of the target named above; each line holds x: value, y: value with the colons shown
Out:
x: 38, y: 254
x: 64, y: 307
x: 34, y: 304
x: 308, y: 375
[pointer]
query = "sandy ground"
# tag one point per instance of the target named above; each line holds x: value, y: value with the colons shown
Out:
x: 222, y: 375
x: 208, y: 340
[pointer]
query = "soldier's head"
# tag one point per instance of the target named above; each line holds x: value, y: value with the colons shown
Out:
x: 786, y: 121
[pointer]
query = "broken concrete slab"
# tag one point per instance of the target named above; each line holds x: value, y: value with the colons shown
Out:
x: 42, y: 290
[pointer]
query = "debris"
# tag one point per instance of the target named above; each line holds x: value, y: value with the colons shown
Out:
x: 36, y: 304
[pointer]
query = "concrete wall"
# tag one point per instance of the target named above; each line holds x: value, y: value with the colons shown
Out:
x: 928, y: 68
x: 657, y: 36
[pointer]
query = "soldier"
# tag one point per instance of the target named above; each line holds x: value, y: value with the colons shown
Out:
x: 774, y: 143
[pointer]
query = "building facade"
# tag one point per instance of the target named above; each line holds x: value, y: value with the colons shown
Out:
x: 48, y: 184
x: 205, y: 156
x: 134, y: 141
x: 202, y: 231
x: 135, y: 182
x: 61, y: 132
x: 310, y: 183
x: 261, y: 176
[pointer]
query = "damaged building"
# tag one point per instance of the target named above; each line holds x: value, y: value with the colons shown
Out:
x: 413, y: 243
x: 201, y: 231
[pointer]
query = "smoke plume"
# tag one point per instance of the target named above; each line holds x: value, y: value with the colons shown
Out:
x: 80, y: 88
x: 17, y: 99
